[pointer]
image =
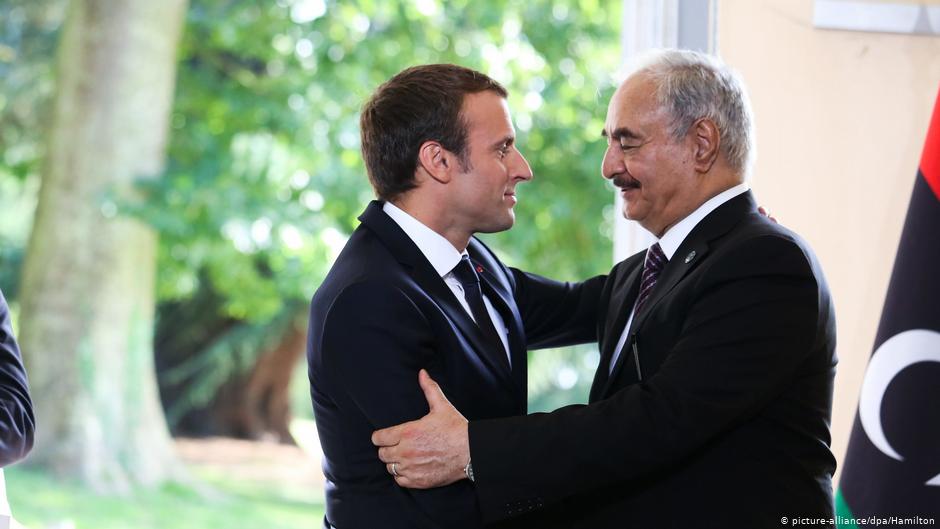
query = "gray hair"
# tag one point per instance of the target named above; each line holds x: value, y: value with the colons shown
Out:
x: 692, y: 85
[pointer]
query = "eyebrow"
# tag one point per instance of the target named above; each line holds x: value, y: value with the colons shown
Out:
x: 622, y: 132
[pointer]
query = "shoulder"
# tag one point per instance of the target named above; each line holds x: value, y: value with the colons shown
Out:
x: 364, y: 259
x: 366, y: 312
x: 761, y: 245
x: 373, y: 298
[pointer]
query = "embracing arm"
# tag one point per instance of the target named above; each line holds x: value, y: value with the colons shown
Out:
x: 556, y: 313
x: 746, y: 335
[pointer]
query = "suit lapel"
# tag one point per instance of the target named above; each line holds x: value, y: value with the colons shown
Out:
x: 675, y: 270
x: 498, y: 290
x: 694, y: 249
x: 671, y: 275
x: 623, y: 297
x: 690, y: 253
x: 434, y: 285
x: 621, y: 302
x: 503, y: 302
x: 428, y: 280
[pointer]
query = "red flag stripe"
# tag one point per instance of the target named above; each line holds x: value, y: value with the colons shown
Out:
x: 930, y: 160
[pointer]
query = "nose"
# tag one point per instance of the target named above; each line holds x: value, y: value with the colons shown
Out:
x: 612, y: 163
x: 520, y: 168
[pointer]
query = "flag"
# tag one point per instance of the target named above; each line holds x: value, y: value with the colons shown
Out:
x: 892, y: 465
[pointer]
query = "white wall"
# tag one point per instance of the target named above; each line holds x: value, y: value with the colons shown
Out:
x: 841, y: 120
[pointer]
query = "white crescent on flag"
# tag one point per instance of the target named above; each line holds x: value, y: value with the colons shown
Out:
x: 895, y: 354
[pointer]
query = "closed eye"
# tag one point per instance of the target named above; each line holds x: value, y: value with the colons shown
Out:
x: 628, y: 142
x: 626, y: 146
x: 625, y: 138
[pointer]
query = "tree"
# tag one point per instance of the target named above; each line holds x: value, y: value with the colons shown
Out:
x: 88, y: 297
x: 221, y: 376
x: 27, y: 41
x: 264, y: 180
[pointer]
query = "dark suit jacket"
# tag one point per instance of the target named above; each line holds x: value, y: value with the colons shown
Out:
x: 17, y: 422
x: 719, y: 419
x: 382, y: 314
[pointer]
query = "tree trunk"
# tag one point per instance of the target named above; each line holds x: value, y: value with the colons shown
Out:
x: 257, y: 405
x: 242, y: 393
x: 86, y: 325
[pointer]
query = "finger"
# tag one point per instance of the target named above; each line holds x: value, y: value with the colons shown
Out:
x: 388, y: 454
x: 432, y: 391
x: 408, y: 483
x: 387, y: 436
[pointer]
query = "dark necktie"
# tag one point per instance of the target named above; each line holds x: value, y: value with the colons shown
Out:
x: 655, y: 261
x: 470, y: 281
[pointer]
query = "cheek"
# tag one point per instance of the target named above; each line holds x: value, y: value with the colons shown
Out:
x: 643, y: 173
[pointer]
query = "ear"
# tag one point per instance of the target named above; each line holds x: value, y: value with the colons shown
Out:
x: 436, y: 161
x: 707, y: 142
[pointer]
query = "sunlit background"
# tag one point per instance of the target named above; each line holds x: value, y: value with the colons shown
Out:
x: 261, y: 184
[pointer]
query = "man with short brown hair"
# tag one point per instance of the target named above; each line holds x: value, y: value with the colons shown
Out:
x: 413, y: 289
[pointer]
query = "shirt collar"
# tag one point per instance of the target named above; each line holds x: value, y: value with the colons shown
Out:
x: 672, y: 239
x: 436, y: 249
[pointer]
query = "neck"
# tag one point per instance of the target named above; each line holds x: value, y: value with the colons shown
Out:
x: 705, y: 193
x: 431, y: 214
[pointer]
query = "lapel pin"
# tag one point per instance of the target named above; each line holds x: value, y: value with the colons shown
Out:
x: 688, y: 258
x: 479, y: 269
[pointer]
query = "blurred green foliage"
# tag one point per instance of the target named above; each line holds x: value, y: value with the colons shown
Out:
x: 27, y: 48
x: 264, y: 180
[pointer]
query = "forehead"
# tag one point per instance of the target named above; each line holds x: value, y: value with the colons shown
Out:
x: 486, y: 114
x: 634, y: 105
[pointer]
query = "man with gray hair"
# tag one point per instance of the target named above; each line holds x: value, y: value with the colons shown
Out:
x: 712, y: 400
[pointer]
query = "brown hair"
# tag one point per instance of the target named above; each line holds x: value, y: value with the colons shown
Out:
x: 418, y: 104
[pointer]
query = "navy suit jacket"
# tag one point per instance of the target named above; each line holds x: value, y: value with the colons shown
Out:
x: 717, y: 412
x: 383, y: 313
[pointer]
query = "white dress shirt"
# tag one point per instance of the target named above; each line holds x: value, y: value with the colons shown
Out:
x: 444, y: 257
x: 672, y: 239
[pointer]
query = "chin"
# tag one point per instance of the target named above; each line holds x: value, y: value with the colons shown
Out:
x: 636, y: 211
x: 498, y: 225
